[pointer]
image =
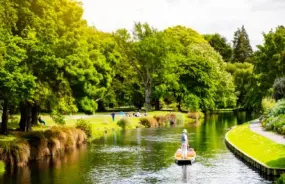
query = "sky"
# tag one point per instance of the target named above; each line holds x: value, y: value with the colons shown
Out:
x: 204, y: 16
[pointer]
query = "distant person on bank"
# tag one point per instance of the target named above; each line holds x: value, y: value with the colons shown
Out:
x: 113, y: 116
x: 41, y: 120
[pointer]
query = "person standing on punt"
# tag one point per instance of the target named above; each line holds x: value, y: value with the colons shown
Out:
x: 184, y: 143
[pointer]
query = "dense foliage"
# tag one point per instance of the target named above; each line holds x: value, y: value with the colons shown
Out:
x: 279, y: 88
x: 275, y: 120
x: 221, y: 45
x: 241, y: 45
x: 51, y: 60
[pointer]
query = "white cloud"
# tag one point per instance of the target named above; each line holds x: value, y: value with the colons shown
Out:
x: 205, y: 16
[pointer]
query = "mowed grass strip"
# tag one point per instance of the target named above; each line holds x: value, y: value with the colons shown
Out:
x: 257, y: 146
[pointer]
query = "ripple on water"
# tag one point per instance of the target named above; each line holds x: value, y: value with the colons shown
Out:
x: 117, y: 149
x: 172, y: 138
x: 223, y: 169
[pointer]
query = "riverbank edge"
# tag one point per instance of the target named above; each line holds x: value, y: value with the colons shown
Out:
x: 269, y: 171
x: 38, y: 145
x: 42, y: 151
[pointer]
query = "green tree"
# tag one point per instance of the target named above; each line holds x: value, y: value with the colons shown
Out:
x: 16, y: 83
x: 220, y: 44
x: 71, y: 68
x: 241, y: 46
x: 242, y: 74
x: 270, y: 59
x: 145, y: 52
x: 197, y: 68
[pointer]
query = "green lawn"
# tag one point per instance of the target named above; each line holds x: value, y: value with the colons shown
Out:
x: 2, y: 167
x: 257, y: 146
x: 101, y: 122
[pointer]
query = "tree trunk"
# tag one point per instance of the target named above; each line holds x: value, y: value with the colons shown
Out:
x: 25, y: 122
x: 101, y: 106
x: 157, y: 105
x: 147, y: 97
x: 4, y: 125
x: 35, y: 114
x: 178, y: 99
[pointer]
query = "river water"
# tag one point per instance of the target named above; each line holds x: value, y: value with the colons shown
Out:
x: 146, y: 156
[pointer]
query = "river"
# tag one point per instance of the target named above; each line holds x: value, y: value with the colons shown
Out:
x: 146, y: 156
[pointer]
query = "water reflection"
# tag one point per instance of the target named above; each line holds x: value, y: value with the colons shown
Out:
x: 146, y: 156
x: 184, y: 173
x: 115, y: 137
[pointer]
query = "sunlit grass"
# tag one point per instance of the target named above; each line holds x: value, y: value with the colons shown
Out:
x: 7, y: 138
x: 257, y: 146
x: 2, y: 167
x: 101, y: 122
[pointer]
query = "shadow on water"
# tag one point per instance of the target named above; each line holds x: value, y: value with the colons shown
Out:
x: 146, y: 156
x: 184, y: 173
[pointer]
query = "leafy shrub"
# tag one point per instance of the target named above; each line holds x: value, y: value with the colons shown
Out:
x: 88, y: 106
x: 148, y: 122
x: 281, y: 180
x: 276, y: 124
x: 267, y: 104
x: 279, y: 88
x: 124, y: 123
x: 278, y: 109
x: 15, y: 152
x: 58, y: 118
x: 173, y: 106
x: 191, y: 102
x: 14, y: 122
x: 84, y: 126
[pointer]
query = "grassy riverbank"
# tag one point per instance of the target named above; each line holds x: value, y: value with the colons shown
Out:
x: 19, y: 148
x: 100, y: 123
x: 257, y: 146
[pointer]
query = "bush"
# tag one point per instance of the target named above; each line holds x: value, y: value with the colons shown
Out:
x: 161, y: 120
x: 191, y: 102
x: 173, y: 106
x: 15, y: 152
x: 279, y: 88
x: 281, y: 180
x: 58, y: 118
x: 278, y: 109
x: 267, y: 104
x: 276, y: 124
x: 38, y: 144
x: 124, y: 123
x: 84, y: 126
x: 148, y: 122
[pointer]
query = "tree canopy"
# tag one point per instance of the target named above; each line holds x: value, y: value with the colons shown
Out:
x: 220, y: 44
x: 242, y: 49
x: 51, y: 60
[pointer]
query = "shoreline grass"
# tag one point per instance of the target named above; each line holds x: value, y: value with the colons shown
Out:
x: 101, y: 123
x: 257, y: 146
x: 51, y: 138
